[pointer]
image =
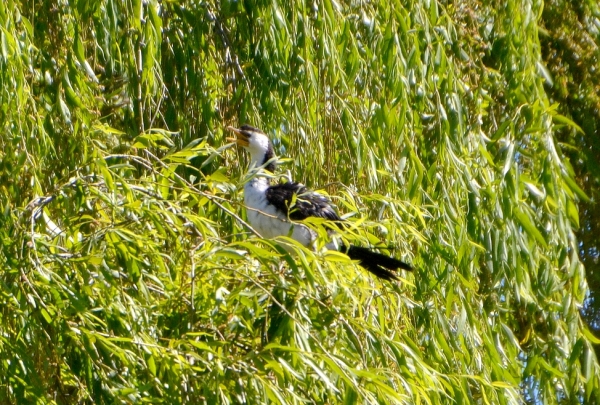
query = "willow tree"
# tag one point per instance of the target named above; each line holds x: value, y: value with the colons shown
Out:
x: 131, y: 275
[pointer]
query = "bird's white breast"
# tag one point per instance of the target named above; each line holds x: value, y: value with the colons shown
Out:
x: 266, y: 219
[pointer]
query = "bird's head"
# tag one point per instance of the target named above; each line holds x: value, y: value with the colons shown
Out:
x: 256, y: 142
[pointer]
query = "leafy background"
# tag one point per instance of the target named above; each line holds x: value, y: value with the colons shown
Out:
x: 462, y: 134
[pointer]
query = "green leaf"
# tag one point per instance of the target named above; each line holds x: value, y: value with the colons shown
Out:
x: 529, y: 227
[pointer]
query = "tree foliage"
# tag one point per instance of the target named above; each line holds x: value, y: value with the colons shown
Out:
x: 131, y: 276
x: 571, y: 50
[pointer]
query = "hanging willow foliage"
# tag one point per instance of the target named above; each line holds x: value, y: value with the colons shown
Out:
x: 130, y: 274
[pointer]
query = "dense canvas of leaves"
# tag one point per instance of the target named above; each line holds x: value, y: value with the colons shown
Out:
x: 130, y: 274
x: 571, y: 51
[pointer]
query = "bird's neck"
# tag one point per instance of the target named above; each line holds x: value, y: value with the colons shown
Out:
x: 260, y: 170
x: 263, y: 158
x: 259, y: 177
x: 256, y: 160
x: 255, y: 189
x: 259, y: 181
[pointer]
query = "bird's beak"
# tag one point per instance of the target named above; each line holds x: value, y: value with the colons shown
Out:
x: 241, y: 138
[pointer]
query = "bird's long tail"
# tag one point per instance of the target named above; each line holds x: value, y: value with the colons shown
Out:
x: 379, y: 264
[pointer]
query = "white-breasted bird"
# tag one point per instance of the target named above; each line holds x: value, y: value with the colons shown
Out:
x: 279, y: 209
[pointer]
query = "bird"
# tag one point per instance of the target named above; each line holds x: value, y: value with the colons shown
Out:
x: 280, y: 209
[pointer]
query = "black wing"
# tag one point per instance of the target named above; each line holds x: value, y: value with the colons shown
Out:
x: 307, y: 204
